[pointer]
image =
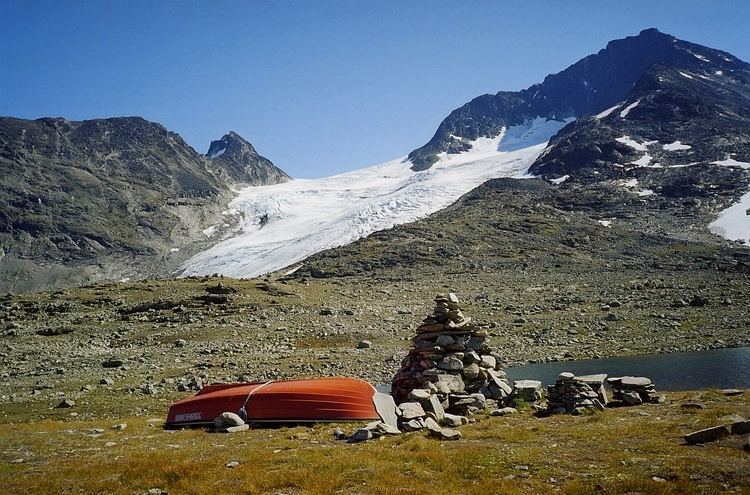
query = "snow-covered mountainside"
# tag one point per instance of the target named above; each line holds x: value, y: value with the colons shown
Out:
x: 285, y: 223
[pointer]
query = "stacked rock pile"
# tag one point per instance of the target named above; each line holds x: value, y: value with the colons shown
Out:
x: 450, y: 364
x: 634, y: 390
x: 571, y: 395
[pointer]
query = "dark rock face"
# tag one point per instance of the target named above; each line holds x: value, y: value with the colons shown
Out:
x: 585, y: 88
x: 235, y: 160
x: 103, y: 199
x: 707, y: 109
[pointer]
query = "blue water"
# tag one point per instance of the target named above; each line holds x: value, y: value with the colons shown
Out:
x: 715, y: 368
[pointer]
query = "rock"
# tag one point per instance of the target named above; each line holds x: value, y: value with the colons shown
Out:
x: 326, y: 312
x: 234, y: 429
x: 106, y: 381
x: 180, y: 343
x: 566, y: 376
x: 411, y: 410
x: 432, y: 425
x: 451, y: 363
x: 386, y: 408
x: 364, y: 344
x: 155, y: 491
x: 634, y: 381
x: 740, y: 427
x: 447, y: 434
x: 384, y: 429
x: 708, y: 435
x: 414, y: 424
x: 232, y: 464
x: 454, y: 382
x: 528, y: 390
x: 227, y: 419
x: 419, y: 394
x: 471, y: 372
x: 361, y: 435
x: 455, y: 420
x: 488, y: 362
x: 120, y: 426
x: 433, y: 406
x: 698, y: 300
x: 692, y: 405
x: 67, y: 403
x: 149, y: 389
x: 731, y: 391
x: 503, y: 411
x: 631, y: 398
x: 339, y: 434
x: 112, y: 363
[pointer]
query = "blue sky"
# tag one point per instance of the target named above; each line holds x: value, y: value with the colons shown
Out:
x: 319, y: 87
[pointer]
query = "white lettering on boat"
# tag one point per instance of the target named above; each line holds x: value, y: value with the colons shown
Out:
x: 188, y: 416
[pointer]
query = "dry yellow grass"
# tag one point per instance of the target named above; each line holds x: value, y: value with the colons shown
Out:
x: 618, y: 451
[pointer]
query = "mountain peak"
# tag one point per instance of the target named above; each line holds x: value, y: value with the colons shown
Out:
x: 237, y: 160
x: 587, y: 87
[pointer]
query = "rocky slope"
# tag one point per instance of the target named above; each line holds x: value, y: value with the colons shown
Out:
x: 105, y: 199
x: 587, y: 87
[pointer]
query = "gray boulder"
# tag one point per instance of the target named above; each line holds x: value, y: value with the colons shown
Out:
x: 411, y: 410
x: 708, y: 435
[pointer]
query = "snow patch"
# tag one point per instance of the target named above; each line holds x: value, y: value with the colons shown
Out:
x: 531, y: 133
x: 676, y: 146
x: 643, y: 161
x: 560, y: 180
x: 731, y: 162
x: 210, y: 231
x: 686, y: 75
x: 605, y: 223
x: 174, y: 250
x: 306, y: 216
x: 719, y: 72
x: 645, y: 192
x: 608, y: 111
x: 734, y: 222
x: 632, y: 143
x: 628, y: 108
x: 218, y: 152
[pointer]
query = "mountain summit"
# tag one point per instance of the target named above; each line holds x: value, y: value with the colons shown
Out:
x: 587, y: 87
x: 235, y: 159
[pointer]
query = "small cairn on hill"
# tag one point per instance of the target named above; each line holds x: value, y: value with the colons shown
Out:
x: 571, y: 395
x: 449, y: 368
x: 634, y: 390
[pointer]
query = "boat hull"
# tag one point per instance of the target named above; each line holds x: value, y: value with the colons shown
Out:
x: 311, y: 400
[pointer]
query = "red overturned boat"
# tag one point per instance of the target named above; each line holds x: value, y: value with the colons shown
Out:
x: 309, y: 400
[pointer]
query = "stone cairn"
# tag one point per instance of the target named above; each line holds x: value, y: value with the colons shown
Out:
x: 574, y: 395
x: 634, y: 390
x: 449, y: 368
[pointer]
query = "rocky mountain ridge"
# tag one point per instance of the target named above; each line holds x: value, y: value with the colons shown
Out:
x: 106, y: 199
x: 587, y: 87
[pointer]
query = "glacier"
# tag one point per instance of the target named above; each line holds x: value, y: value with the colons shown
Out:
x: 285, y: 223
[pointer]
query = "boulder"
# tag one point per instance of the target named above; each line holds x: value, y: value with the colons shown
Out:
x: 227, y: 419
x: 631, y: 398
x: 708, y: 435
x: 740, y: 427
x: 528, y: 390
x: 504, y: 411
x: 414, y: 424
x: 364, y: 344
x: 434, y: 407
x: 386, y: 408
x: 455, y: 420
x: 411, y: 410
x: 361, y: 435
